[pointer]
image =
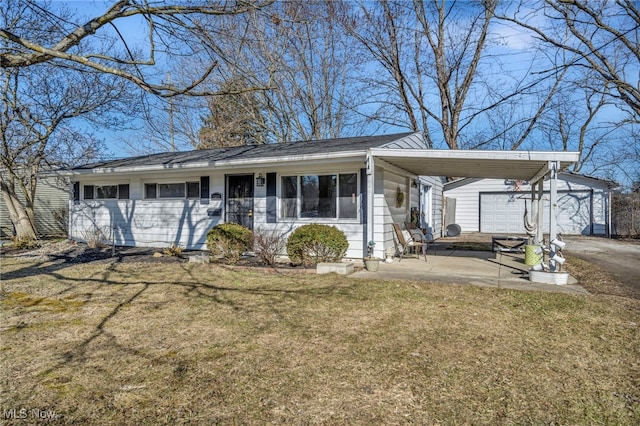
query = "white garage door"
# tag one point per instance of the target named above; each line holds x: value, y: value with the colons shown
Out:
x: 503, y: 213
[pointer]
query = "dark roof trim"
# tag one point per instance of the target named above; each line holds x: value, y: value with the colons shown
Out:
x: 247, y: 152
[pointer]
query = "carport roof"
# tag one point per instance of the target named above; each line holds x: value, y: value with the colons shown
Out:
x: 524, y: 165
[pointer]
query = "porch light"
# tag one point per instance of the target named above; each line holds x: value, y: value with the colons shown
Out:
x: 414, y: 183
x: 260, y: 180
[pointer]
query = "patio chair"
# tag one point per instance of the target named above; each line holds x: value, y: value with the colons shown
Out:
x: 407, y: 242
x: 421, y: 235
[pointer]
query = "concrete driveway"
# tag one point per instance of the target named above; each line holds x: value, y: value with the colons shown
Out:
x: 481, y: 268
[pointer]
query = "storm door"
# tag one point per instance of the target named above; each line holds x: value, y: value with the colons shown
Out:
x: 240, y: 200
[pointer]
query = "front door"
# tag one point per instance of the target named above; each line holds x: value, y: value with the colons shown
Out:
x: 240, y: 200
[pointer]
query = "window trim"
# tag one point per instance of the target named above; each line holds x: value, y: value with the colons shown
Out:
x: 297, y: 217
x: 185, y: 187
x: 94, y: 192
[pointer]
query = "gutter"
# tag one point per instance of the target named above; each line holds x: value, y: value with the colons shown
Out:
x: 341, y: 156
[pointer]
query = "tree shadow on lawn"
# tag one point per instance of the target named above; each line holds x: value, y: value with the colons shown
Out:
x: 275, y: 298
x: 81, y: 254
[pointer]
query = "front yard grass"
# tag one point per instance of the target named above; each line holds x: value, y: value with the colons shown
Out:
x: 133, y: 343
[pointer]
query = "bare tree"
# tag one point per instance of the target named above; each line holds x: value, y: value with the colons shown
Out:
x: 59, y: 69
x: 172, y: 31
x: 442, y: 75
x: 304, y: 62
x: 602, y: 36
x: 38, y: 106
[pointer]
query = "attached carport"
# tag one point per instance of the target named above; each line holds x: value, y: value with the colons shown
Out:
x: 534, y: 166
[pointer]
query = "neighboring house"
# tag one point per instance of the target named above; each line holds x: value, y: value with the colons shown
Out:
x: 352, y: 183
x: 497, y: 206
x: 51, y: 208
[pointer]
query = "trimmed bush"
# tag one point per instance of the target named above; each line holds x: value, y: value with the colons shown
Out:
x: 229, y: 240
x: 313, y: 243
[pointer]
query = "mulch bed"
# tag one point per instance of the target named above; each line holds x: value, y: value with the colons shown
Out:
x: 74, y: 253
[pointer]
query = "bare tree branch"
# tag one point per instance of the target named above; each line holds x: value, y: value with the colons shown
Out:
x: 21, y: 51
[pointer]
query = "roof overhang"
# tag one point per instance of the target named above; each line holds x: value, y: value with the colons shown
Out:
x: 523, y: 165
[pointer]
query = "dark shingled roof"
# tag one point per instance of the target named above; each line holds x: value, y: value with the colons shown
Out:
x: 360, y: 143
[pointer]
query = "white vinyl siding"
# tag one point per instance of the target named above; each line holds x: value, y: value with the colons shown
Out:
x: 143, y: 223
x: 582, y: 205
x: 51, y: 205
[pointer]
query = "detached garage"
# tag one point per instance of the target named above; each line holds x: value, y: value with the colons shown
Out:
x: 497, y: 206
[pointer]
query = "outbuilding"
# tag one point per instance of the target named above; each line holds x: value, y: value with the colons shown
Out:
x: 497, y: 206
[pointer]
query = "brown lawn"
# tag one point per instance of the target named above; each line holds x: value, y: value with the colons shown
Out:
x: 139, y: 343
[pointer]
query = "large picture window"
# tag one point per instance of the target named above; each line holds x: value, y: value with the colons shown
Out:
x: 320, y: 196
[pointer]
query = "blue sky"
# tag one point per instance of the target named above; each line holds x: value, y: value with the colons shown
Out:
x: 515, y: 53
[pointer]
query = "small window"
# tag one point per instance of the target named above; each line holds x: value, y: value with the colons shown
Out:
x: 88, y: 192
x: 348, y: 190
x: 150, y: 190
x: 289, y: 196
x: 171, y: 190
x: 123, y: 192
x: 106, y: 192
x: 193, y: 189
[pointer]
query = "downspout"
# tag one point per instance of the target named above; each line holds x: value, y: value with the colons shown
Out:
x: 591, y: 214
x: 609, y: 233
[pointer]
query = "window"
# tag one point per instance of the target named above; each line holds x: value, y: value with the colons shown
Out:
x: 88, y: 192
x: 193, y: 189
x: 320, y: 196
x: 172, y: 190
x: 150, y: 190
x: 106, y: 192
x: 289, y: 196
x: 348, y: 190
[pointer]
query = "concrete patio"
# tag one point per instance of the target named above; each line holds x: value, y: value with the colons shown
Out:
x: 460, y: 266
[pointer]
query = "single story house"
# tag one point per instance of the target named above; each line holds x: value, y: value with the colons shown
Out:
x: 497, y: 206
x: 362, y: 185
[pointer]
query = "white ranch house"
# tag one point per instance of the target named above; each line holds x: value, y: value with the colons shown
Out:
x: 351, y: 183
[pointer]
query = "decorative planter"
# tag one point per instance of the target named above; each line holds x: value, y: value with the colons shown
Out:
x: 372, y: 264
x: 530, y: 256
x: 544, y: 277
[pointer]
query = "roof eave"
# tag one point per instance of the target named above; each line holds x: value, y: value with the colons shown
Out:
x: 336, y: 156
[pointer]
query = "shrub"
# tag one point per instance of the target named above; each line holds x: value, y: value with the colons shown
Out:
x: 24, y: 243
x: 313, y: 243
x: 173, y: 251
x: 229, y: 240
x: 95, y: 238
x: 268, y: 245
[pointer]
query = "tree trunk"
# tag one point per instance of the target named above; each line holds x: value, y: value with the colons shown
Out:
x: 21, y: 216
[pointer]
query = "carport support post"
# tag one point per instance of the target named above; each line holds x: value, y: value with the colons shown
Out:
x: 553, y: 204
x: 540, y: 212
x: 370, y: 195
